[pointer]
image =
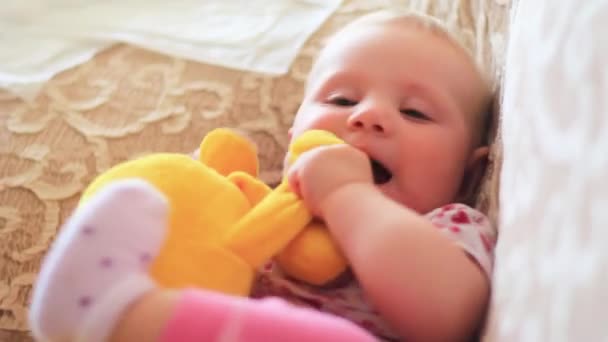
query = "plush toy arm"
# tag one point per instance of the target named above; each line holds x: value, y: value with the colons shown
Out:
x: 269, y: 227
x: 309, y: 140
x: 278, y: 219
x: 254, y: 189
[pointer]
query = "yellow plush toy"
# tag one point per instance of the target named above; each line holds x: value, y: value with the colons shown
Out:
x: 224, y: 223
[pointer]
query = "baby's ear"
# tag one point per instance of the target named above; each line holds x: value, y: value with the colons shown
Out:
x: 290, y: 133
x: 475, y: 170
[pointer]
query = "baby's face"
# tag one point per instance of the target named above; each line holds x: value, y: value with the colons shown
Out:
x: 405, y: 97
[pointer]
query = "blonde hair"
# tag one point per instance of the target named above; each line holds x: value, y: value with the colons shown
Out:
x: 418, y: 19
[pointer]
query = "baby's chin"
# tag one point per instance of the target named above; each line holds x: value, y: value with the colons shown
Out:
x: 392, y: 190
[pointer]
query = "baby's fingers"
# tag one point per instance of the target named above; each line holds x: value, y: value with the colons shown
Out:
x: 293, y: 179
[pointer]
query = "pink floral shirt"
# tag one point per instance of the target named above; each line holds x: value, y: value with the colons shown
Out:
x: 467, y: 227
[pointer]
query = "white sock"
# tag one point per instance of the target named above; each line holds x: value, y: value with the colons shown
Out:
x: 99, y: 263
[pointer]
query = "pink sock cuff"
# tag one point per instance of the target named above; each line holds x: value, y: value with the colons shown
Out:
x: 210, y: 316
x: 200, y: 316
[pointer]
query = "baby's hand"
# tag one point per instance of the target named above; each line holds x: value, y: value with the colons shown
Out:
x: 319, y: 172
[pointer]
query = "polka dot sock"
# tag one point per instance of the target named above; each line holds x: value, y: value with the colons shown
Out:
x: 98, y: 264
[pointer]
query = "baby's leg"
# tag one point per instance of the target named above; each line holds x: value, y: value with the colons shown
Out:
x: 98, y: 264
x: 94, y: 286
x: 198, y: 315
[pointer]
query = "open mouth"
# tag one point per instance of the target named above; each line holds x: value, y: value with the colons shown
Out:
x: 381, y: 173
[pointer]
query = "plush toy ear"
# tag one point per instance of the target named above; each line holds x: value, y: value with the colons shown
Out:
x: 227, y: 151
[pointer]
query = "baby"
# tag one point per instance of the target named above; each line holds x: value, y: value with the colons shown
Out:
x: 407, y: 99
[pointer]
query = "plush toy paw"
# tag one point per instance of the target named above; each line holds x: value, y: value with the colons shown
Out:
x: 313, y: 256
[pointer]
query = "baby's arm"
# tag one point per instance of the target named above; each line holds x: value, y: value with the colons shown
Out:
x: 422, y: 283
x: 419, y: 280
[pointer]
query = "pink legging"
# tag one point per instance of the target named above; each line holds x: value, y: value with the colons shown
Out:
x: 209, y: 316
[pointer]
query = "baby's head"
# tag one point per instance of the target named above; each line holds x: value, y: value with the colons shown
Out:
x: 403, y: 90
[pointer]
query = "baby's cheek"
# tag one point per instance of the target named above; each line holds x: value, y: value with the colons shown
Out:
x: 317, y: 117
x: 443, y: 190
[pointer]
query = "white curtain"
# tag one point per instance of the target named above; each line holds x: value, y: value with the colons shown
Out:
x: 551, y: 280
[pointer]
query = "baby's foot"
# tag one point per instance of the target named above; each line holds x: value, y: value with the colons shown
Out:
x: 99, y: 263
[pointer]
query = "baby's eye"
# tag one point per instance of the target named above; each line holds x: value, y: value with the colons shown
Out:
x: 416, y: 114
x: 342, y: 101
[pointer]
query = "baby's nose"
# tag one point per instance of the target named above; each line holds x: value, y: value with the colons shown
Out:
x: 371, y: 119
